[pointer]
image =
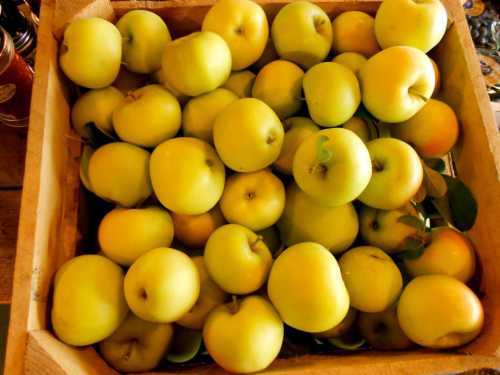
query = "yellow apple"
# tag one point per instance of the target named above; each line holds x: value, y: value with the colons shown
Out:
x: 197, y: 171
x: 394, y: 92
x: 127, y: 81
x: 437, y: 76
x: 243, y: 25
x: 342, y: 328
x: 372, y: 278
x: 337, y: 174
x: 237, y: 259
x: 197, y: 63
x: 279, y: 85
x: 397, y: 174
x: 359, y: 127
x: 267, y: 56
x: 199, y: 114
x: 91, y: 52
x: 255, y: 200
x: 125, y: 234
x: 95, y: 107
x: 353, y: 31
x: 332, y: 93
x: 245, y: 336
x: 159, y: 77
x: 352, y: 60
x: 452, y: 313
x: 302, y: 33
x: 118, y: 172
x: 162, y: 285
x: 306, y: 287
x: 304, y: 219
x: 147, y: 116
x: 144, y: 35
x: 419, y: 24
x: 88, y: 303
x: 137, y: 345
x: 248, y: 135
x: 240, y: 83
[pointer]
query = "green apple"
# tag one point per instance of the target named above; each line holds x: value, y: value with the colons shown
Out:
x: 237, y: 259
x: 352, y: 60
x: 372, y: 278
x: 88, y: 303
x: 394, y: 92
x: 162, y: 285
x: 91, y: 52
x: 342, y: 328
x: 304, y: 219
x: 197, y: 63
x: 125, y: 234
x: 95, y: 107
x: 243, y: 25
x: 255, y: 200
x: 333, y: 166
x: 397, y: 174
x: 306, y: 287
x: 147, y: 116
x: 137, y: 345
x: 359, y: 127
x: 199, y: 114
x: 332, y: 93
x: 302, y: 33
x: 248, y: 135
x: 118, y: 172
x: 144, y: 35
x: 240, y: 83
x: 197, y: 171
x: 245, y: 336
x: 419, y: 24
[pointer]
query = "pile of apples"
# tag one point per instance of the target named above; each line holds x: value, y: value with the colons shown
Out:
x: 247, y: 201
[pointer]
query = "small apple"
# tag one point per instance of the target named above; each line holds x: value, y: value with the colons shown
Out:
x: 240, y: 83
x: 255, y: 200
x: 302, y: 33
x: 237, y: 259
x: 127, y: 81
x: 352, y: 60
x: 243, y: 25
x: 342, y: 328
x: 306, y: 287
x: 198, y: 173
x: 245, y: 336
x: 248, y: 135
x: 353, y: 31
x: 359, y: 127
x: 137, y: 345
x: 144, y: 35
x: 267, y: 56
x: 162, y: 285
x: 91, y: 52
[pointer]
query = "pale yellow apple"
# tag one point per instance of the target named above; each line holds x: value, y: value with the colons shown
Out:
x: 397, y: 174
x: 372, y: 278
x: 243, y: 25
x: 255, y: 200
x: 144, y: 35
x: 199, y: 114
x: 237, y: 259
x: 162, y: 285
x: 279, y: 85
x: 304, y: 219
x: 306, y: 287
x: 339, y: 173
x: 125, y: 234
x: 302, y: 33
x: 197, y: 171
x: 240, y: 83
x: 91, y: 52
x: 159, y: 77
x: 353, y: 31
x: 267, y: 56
x: 419, y: 24
x: 127, y: 81
x: 95, y: 107
x: 332, y: 93
x: 245, y: 336
x: 437, y: 76
x: 394, y: 92
x: 359, y: 127
x: 119, y: 172
x: 297, y: 130
x: 248, y: 135
x: 342, y: 328
x: 197, y: 63
x: 137, y: 345
x: 147, y: 116
x: 210, y: 297
x: 452, y: 313
x: 88, y: 303
x: 352, y: 60
x: 449, y: 252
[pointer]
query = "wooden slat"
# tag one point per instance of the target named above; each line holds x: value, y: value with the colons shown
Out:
x: 12, y: 153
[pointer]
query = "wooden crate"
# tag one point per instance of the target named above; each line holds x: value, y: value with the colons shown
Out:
x: 47, y: 232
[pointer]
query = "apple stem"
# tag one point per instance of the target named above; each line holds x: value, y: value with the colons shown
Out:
x: 234, y: 306
x: 413, y: 92
x: 128, y: 353
x: 259, y: 238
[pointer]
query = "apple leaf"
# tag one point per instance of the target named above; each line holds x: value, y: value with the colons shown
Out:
x: 412, y: 221
x: 413, y: 248
x: 420, y: 195
x: 437, y: 164
x: 323, y: 155
x: 435, y: 185
x: 340, y: 343
x: 462, y: 204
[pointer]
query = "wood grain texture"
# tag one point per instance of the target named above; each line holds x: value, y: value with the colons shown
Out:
x: 12, y: 154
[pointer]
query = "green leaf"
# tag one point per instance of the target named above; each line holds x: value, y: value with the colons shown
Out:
x: 323, y: 155
x: 413, y: 248
x: 443, y: 208
x: 434, y: 182
x: 185, y: 345
x: 340, y: 343
x: 412, y: 221
x: 437, y: 164
x: 462, y: 204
